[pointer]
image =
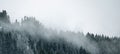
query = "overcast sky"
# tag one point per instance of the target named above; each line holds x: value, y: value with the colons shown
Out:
x: 95, y: 16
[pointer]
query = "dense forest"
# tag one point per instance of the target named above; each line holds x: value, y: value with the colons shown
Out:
x: 31, y: 37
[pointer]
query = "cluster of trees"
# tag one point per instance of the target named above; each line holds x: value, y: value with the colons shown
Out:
x: 31, y: 37
x: 22, y: 42
x: 106, y: 44
x: 8, y: 45
x: 57, y: 47
x: 4, y: 17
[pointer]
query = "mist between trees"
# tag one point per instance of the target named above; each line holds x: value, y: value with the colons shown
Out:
x: 31, y: 37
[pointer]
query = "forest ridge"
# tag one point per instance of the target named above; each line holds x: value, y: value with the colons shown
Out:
x: 30, y: 37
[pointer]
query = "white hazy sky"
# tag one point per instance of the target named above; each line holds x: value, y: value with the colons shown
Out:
x: 95, y: 16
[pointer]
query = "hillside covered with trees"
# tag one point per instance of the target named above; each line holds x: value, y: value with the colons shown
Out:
x: 31, y: 37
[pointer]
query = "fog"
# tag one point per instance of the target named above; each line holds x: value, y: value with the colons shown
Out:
x: 95, y: 16
x: 32, y: 27
x: 66, y: 19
